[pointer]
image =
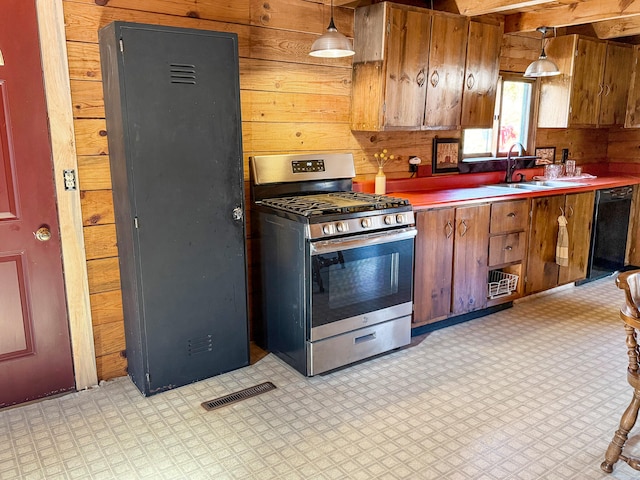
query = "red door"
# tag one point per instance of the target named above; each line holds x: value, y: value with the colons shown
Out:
x: 35, y: 350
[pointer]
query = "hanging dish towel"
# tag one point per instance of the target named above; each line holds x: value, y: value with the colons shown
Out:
x: 562, y: 247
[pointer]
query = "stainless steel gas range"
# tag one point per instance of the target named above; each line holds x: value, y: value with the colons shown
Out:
x: 335, y: 266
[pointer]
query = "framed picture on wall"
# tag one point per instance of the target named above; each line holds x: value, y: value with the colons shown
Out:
x: 446, y: 155
x: 546, y: 155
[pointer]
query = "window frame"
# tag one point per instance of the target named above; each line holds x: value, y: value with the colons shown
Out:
x: 495, y: 128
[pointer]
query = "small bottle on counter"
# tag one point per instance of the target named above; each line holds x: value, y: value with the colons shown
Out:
x: 565, y: 155
x: 381, y: 182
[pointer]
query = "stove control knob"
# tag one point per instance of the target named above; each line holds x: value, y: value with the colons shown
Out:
x: 400, y: 218
x: 327, y: 229
x: 366, y: 223
x: 342, y: 227
x: 389, y: 219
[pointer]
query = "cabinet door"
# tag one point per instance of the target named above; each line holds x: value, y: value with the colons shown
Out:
x: 542, y: 270
x: 632, y: 118
x: 470, y: 257
x: 579, y: 213
x: 407, y: 62
x: 446, y: 71
x: 616, y: 84
x: 481, y: 75
x: 587, y: 82
x: 433, y: 265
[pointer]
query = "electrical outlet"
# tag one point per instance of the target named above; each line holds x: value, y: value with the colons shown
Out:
x: 414, y: 161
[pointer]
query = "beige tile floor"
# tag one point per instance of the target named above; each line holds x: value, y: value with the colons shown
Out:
x: 533, y: 392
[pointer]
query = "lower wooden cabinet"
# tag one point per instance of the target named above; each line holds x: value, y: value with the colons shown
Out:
x: 451, y: 262
x: 542, y: 270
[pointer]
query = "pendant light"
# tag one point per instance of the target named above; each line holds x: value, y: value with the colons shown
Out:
x: 332, y: 44
x: 543, y: 67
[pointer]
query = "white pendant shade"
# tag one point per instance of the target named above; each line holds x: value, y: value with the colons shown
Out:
x: 332, y: 44
x: 543, y: 67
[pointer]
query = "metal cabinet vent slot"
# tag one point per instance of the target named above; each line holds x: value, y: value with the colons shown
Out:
x: 200, y: 345
x: 183, y: 73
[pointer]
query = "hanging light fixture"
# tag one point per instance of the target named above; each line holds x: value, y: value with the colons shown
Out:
x: 332, y: 44
x: 543, y: 67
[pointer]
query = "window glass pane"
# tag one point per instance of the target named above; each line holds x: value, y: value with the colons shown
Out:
x: 514, y: 115
x: 476, y: 141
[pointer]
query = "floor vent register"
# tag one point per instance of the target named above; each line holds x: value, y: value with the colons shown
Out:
x: 238, y: 396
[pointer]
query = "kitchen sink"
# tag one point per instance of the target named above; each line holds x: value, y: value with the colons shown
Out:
x: 539, y: 185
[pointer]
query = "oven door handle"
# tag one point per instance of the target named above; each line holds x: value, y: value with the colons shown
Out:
x: 335, y: 245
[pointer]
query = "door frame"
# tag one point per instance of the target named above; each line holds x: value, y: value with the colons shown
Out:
x: 57, y: 89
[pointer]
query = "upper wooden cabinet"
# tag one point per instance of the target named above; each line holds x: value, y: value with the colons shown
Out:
x: 481, y: 75
x: 592, y: 89
x: 633, y: 102
x: 409, y: 69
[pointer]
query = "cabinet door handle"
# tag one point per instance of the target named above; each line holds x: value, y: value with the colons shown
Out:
x: 508, y: 248
x: 607, y: 90
x: 464, y: 227
x: 570, y: 212
x: 448, y: 229
x: 471, y: 81
x: 435, y: 78
x: 601, y: 89
x: 420, y: 77
x: 511, y: 214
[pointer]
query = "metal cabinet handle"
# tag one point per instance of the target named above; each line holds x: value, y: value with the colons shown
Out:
x: 435, y: 78
x: 471, y: 81
x: 420, y: 77
x: 448, y: 229
x: 511, y: 214
x: 571, y: 210
x: 607, y: 90
x: 464, y: 227
x: 508, y: 248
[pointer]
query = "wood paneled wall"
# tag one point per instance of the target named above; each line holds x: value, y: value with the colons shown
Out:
x: 291, y: 102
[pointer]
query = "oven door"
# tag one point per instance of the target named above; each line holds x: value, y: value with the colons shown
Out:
x: 360, y: 281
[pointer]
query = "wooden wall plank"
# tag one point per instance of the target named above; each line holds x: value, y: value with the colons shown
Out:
x: 84, y: 61
x: 97, y: 207
x: 100, y: 241
x: 94, y: 172
x: 282, y: 107
x: 83, y: 21
x: 232, y: 11
x: 106, y: 307
x: 111, y: 365
x: 109, y: 338
x: 91, y: 136
x: 104, y: 275
x: 300, y: 16
x: 88, y: 100
x: 273, y: 76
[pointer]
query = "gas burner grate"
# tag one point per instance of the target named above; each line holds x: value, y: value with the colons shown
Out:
x: 334, y: 202
x: 238, y: 396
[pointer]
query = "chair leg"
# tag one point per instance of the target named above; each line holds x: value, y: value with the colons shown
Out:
x: 620, y: 437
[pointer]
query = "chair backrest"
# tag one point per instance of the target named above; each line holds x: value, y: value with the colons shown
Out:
x: 630, y: 283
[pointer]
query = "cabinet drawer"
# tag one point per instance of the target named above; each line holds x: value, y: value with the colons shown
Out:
x: 506, y: 248
x: 509, y: 216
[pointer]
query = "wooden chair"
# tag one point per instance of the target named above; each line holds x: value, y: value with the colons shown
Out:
x: 630, y: 314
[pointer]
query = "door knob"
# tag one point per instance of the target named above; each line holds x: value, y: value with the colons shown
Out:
x: 43, y: 234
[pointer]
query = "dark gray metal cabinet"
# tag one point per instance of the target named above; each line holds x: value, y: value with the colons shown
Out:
x: 172, y: 101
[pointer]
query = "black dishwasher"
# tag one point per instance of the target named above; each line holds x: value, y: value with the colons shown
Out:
x: 609, y: 233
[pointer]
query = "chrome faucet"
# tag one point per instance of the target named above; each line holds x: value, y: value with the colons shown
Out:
x: 511, y: 167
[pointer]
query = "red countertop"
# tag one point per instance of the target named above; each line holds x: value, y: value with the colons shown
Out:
x: 433, y: 192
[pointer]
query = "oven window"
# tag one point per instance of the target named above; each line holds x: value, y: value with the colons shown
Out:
x: 352, y: 282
